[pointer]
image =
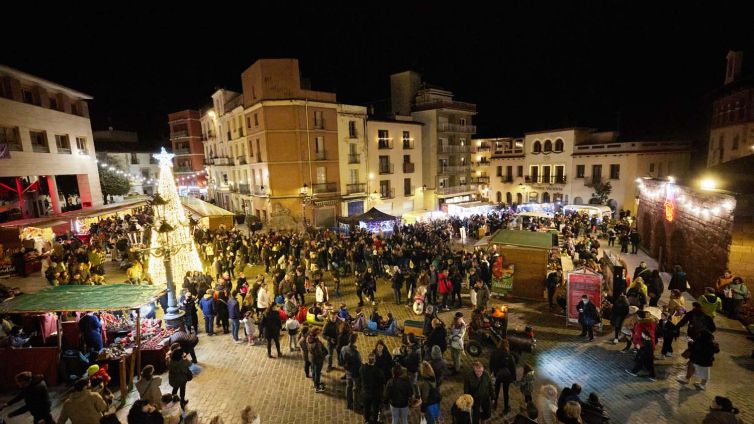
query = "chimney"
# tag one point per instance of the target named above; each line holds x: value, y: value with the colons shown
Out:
x: 733, y: 69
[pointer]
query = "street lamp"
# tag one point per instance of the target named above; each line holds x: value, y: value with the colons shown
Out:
x: 173, y: 316
x: 306, y: 198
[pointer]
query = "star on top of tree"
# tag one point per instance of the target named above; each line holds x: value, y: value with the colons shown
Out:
x: 165, y: 158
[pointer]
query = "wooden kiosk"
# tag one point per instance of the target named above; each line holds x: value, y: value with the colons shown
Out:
x: 519, y: 262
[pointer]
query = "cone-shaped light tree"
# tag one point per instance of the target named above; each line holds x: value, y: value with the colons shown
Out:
x: 177, y: 246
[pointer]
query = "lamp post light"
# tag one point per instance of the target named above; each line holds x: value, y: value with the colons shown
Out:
x: 173, y: 316
x: 306, y: 198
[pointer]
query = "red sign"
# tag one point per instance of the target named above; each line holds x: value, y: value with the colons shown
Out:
x: 582, y: 282
x: 669, y: 210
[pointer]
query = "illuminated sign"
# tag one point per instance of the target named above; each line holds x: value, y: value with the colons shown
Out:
x: 669, y: 205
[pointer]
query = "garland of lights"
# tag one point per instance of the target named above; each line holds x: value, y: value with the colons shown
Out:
x: 182, y: 260
x: 139, y: 179
x: 666, y: 190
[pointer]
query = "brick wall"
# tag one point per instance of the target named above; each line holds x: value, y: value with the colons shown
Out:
x: 701, y: 243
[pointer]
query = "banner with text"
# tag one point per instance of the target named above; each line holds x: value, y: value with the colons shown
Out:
x: 582, y: 282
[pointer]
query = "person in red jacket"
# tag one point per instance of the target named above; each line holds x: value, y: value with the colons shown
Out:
x: 646, y: 324
x: 445, y: 287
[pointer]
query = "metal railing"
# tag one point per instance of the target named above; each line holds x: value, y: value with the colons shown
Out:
x: 182, y: 151
x: 453, y: 169
x: 183, y: 169
x: 506, y: 179
x: 384, y: 143
x: 40, y: 149
x: 319, y: 125
x: 484, y: 147
x: 481, y: 180
x: 259, y: 190
x: 388, y: 193
x: 408, y: 167
x: 354, y: 158
x: 177, y: 134
x: 592, y: 180
x: 244, y: 189
x: 221, y: 161
x: 446, y: 104
x: 14, y: 146
x: 470, y: 129
x: 64, y: 150
x: 480, y: 163
x: 387, y: 169
x: 456, y: 189
x: 408, y: 144
x: 241, y: 160
x: 559, y: 179
x: 454, y: 148
x: 356, y: 188
x: 319, y: 188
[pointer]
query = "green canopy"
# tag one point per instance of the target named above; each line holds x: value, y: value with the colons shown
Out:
x: 523, y: 238
x: 109, y: 297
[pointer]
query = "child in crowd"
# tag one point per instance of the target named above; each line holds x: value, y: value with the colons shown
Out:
x: 292, y: 326
x: 249, y: 327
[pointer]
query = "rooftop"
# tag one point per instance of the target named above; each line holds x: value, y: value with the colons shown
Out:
x: 23, y: 76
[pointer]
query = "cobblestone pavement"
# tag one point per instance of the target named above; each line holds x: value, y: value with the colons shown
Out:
x: 236, y: 375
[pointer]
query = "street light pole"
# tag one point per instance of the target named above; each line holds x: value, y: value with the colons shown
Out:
x: 173, y: 316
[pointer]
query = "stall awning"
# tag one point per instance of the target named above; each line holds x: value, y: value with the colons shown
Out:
x: 523, y: 238
x: 372, y: 215
x: 202, y: 208
x: 111, y: 297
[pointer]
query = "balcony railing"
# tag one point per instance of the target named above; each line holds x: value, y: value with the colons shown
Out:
x: 593, y: 180
x: 559, y: 179
x: 40, y: 148
x: 481, y: 163
x: 470, y: 129
x: 64, y: 150
x: 453, y: 169
x: 408, y: 144
x: 244, y: 189
x: 408, y: 167
x: 432, y: 103
x: 320, y: 188
x: 241, y: 160
x: 506, y: 179
x: 484, y: 147
x: 259, y: 190
x: 221, y: 161
x: 321, y: 155
x: 182, y: 151
x: 533, y: 178
x: 387, y: 168
x: 455, y: 148
x: 384, y: 143
x: 177, y: 134
x: 319, y: 125
x: 456, y: 189
x: 388, y: 193
x: 551, y: 179
x: 354, y: 158
x: 481, y: 180
x: 356, y: 188
x: 14, y: 146
x: 183, y: 169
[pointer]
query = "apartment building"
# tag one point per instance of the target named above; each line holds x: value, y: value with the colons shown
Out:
x: 186, y: 139
x: 562, y: 165
x: 732, y: 122
x: 47, y: 152
x: 446, y: 138
x: 353, y: 159
x: 122, y: 149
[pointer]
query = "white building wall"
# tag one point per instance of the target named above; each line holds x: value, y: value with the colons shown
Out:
x: 734, y: 141
x: 353, y: 191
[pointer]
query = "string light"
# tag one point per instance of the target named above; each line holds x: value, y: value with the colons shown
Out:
x: 662, y: 189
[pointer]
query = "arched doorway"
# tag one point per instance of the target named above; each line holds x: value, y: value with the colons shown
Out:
x: 519, y: 198
x: 557, y: 197
x: 499, y: 197
x: 545, y: 197
x: 677, y: 251
x: 646, y: 231
x: 659, y: 250
x: 578, y: 200
x: 508, y: 198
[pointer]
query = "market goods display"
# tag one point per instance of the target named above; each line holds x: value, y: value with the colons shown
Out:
x: 157, y: 340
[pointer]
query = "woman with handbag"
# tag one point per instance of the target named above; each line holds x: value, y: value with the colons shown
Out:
x: 179, y: 373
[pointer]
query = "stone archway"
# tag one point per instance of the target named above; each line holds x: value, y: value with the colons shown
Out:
x: 508, y: 198
x: 659, y: 242
x: 545, y: 197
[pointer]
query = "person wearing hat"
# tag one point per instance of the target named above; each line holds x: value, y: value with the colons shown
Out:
x: 722, y: 412
x: 83, y: 406
x: 588, y: 317
x: 710, y: 302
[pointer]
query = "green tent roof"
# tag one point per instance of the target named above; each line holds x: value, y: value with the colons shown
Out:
x: 82, y: 298
x: 523, y: 238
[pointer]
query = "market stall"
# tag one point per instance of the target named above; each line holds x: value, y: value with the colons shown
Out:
x: 520, y: 261
x: 30, y: 241
x: 208, y: 215
x: 373, y: 220
x: 599, y: 211
x: 467, y: 209
x: 126, y: 335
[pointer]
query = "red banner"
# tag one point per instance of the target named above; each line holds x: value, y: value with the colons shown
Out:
x: 581, y: 283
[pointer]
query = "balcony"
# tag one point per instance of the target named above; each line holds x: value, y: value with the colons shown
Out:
x: 321, y: 188
x: 387, y: 168
x: 179, y: 134
x: 241, y: 160
x: 484, y: 147
x: 354, y: 158
x: 321, y: 155
x: 453, y: 169
x: 221, y: 161
x: 506, y: 179
x: 481, y: 163
x: 432, y: 103
x: 558, y: 179
x: 481, y: 180
x: 259, y: 190
x: 64, y: 150
x: 455, y: 148
x: 38, y: 148
x: 244, y: 189
x: 183, y: 169
x: 408, y: 144
x: 319, y: 124
x: 456, y: 189
x: 387, y: 193
x: 14, y: 146
x: 593, y: 180
x: 408, y: 167
x: 180, y: 152
x: 356, y: 188
x: 384, y: 143
x: 533, y: 179
x: 466, y: 129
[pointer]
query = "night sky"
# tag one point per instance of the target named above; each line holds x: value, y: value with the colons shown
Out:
x: 597, y: 64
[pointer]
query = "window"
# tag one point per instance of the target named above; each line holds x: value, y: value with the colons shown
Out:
x: 548, y: 146
x: 580, y: 171
x: 318, y: 122
x: 11, y: 138
x: 75, y: 109
x: 352, y: 129
x: 259, y: 152
x: 406, y: 158
x: 354, y: 176
x: 248, y: 122
x: 596, y: 172
x: 62, y: 143
x: 385, y: 166
x: 53, y: 103
x: 251, y: 149
x: 462, y: 122
x: 383, y: 139
x: 558, y: 145
x: 319, y: 147
x: 256, y: 120
x: 614, y: 172
x: 735, y: 143
x: 407, y: 140
x: 509, y: 173
x: 520, y: 171
x: 499, y: 171
x: 536, y: 147
x: 651, y: 167
x: 134, y: 159
x: 385, y: 188
x: 321, y: 175
x: 407, y: 187
x: 28, y: 96
x: 81, y: 145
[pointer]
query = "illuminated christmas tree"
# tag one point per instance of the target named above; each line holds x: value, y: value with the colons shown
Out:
x: 178, y: 242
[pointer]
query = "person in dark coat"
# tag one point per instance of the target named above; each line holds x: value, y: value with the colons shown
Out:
x: 397, y: 284
x: 503, y: 367
x: 553, y: 279
x: 462, y: 410
x: 569, y: 394
x: 186, y: 341
x: 208, y: 310
x: 588, y: 317
x: 593, y: 412
x: 91, y: 331
x: 221, y: 308
x: 478, y: 384
x: 399, y: 392
x: 678, y: 280
x: 234, y: 316
x: 178, y: 373
x: 655, y: 287
x: 35, y: 396
x: 372, y: 385
x: 618, y: 314
x: 438, y: 336
x: 191, y: 318
x: 271, y: 325
x: 384, y: 360
x: 697, y: 321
